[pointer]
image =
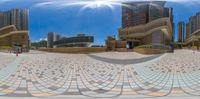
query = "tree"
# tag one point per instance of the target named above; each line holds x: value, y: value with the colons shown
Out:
x: 42, y: 43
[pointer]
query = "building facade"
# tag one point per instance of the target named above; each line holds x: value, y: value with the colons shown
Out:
x: 113, y: 44
x: 52, y: 37
x: 134, y: 14
x: 11, y: 37
x: 181, y: 32
x: 187, y: 30
x: 193, y: 31
x: 81, y: 40
x: 17, y: 17
x: 14, y: 29
x: 147, y: 23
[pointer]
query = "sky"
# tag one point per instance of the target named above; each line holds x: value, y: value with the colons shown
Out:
x: 98, y: 18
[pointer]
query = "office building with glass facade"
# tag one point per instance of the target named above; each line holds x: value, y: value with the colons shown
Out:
x: 81, y: 40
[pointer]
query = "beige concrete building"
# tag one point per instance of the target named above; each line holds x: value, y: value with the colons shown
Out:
x: 194, y: 40
x: 11, y: 37
x: 146, y: 23
x: 193, y: 31
x: 158, y: 33
x: 113, y: 44
x: 181, y: 34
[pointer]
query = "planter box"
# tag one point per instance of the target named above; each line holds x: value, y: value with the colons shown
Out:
x: 149, y: 51
x: 74, y: 50
x: 121, y: 49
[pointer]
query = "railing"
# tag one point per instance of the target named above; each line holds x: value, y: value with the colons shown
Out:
x: 141, y: 29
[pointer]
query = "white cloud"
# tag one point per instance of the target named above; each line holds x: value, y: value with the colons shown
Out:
x: 42, y: 39
x: 4, y: 1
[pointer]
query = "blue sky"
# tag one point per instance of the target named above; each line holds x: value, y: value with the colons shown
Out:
x: 68, y: 18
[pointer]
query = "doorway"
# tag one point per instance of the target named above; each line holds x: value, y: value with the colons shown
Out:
x: 130, y: 45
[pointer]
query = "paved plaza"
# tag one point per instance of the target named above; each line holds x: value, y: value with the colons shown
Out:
x: 100, y: 75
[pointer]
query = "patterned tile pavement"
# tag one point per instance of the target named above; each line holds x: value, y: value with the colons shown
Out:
x: 40, y: 74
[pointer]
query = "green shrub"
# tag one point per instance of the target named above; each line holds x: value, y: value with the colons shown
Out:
x: 144, y: 46
x: 5, y: 47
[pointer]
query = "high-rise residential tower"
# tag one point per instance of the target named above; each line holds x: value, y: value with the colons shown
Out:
x: 181, y: 31
x: 17, y: 17
x: 52, y: 37
x: 187, y: 30
x: 50, y: 40
x: 193, y: 31
x: 1, y: 19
